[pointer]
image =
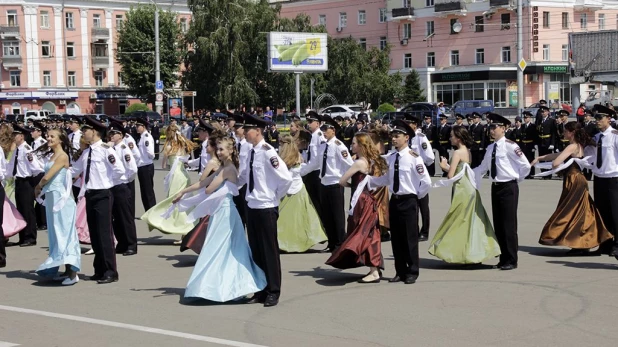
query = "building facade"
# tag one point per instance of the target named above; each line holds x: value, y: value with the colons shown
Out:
x: 465, y: 50
x: 59, y: 55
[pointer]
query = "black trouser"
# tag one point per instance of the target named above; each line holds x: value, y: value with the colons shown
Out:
x: 528, y: 149
x: 262, y: 235
x: 156, y: 150
x: 39, y: 210
x: 146, y: 185
x: 241, y: 204
x: 312, y: 184
x: 131, y: 186
x: 2, y: 247
x: 333, y: 214
x: 477, y: 157
x: 123, y: 219
x: 403, y: 218
x: 442, y: 152
x: 431, y: 169
x: 24, y: 201
x: 423, y: 208
x: 606, y: 200
x: 76, y: 191
x: 504, y: 200
x: 543, y: 151
x: 99, y: 215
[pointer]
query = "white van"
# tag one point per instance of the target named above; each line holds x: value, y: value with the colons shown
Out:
x: 36, y: 115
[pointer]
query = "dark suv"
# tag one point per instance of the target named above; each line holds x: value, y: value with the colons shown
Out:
x: 420, y: 109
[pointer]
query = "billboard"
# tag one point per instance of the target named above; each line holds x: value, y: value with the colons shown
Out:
x: 174, y: 107
x: 297, y: 52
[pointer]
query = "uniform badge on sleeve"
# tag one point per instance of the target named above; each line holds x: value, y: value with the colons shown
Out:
x: 420, y: 168
x: 424, y: 145
x: 146, y: 143
x: 344, y: 154
x: 131, y: 145
x: 30, y: 157
x: 127, y: 158
x: 274, y: 161
x: 518, y: 152
x: 111, y: 159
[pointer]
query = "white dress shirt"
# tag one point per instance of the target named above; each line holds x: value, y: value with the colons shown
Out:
x: 338, y: 161
x: 204, y: 158
x: 297, y: 180
x: 421, y: 145
x: 146, y: 149
x: 511, y: 163
x: 128, y: 161
x: 271, y: 178
x: 28, y: 163
x: 130, y: 142
x: 313, y: 162
x: 105, y: 166
x: 37, y: 143
x: 413, y: 175
x: 74, y: 138
x: 609, y: 152
x: 243, y: 155
x: 3, y: 163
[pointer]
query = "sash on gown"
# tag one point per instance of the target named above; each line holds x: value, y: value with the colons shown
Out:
x: 584, y: 163
x: 68, y: 184
x: 13, y: 222
x: 204, y: 204
x: 449, y: 182
x: 168, y: 177
x: 357, y: 193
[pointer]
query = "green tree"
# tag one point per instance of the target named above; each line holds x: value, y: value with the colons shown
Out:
x: 386, y: 107
x: 137, y: 35
x: 138, y: 106
x: 412, y: 88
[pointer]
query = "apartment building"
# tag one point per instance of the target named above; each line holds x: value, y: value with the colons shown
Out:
x: 467, y: 49
x: 59, y: 55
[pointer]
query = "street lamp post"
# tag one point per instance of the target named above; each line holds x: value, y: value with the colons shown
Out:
x: 159, y: 107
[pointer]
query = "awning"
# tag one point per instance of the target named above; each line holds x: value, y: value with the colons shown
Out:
x: 606, y: 78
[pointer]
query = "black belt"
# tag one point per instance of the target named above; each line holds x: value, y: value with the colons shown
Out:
x: 503, y: 183
x: 403, y: 196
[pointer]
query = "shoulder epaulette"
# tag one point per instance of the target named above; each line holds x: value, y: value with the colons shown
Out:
x: 338, y: 142
x: 319, y: 133
x: 105, y: 145
x: 27, y: 147
x: 414, y: 154
x: 123, y: 146
x: 421, y: 134
x: 510, y: 141
x: 615, y: 132
x: 266, y: 147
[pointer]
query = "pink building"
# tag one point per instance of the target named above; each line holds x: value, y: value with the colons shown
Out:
x: 61, y: 58
x: 467, y: 50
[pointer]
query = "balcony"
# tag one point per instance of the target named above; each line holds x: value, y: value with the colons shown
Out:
x: 446, y: 7
x: 100, y: 62
x: 12, y: 61
x: 499, y: 3
x: 588, y: 5
x: 402, y: 13
x: 99, y: 34
x: 9, y: 32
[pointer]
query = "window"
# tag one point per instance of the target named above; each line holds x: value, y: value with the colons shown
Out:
x: 505, y: 19
x: 601, y: 21
x: 545, y: 19
x: 70, y: 49
x: 479, y: 57
x: 546, y: 52
x: 343, y: 19
x: 383, y: 43
x: 96, y: 20
x: 429, y: 3
x: 407, y: 30
x: 429, y: 26
x: 363, y: 43
x: 119, y: 21
x: 382, y: 15
x: 68, y: 20
x: 431, y: 59
x: 10, y: 48
x: 45, y: 19
x: 71, y: 78
x: 45, y: 49
x: 46, y: 78
x: 565, y: 20
x: 453, y: 21
x: 407, y: 61
x: 183, y: 25
x: 406, y: 3
x: 11, y: 16
x: 362, y: 17
x: 478, y: 24
x: 15, y: 78
x: 565, y: 88
x: 322, y: 19
x: 583, y: 20
x: 98, y: 78
x: 506, y: 54
x: 451, y: 93
x: 454, y: 58
x: 497, y: 93
x: 565, y: 52
x: 99, y: 50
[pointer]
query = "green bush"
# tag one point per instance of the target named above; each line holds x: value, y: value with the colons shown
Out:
x: 137, y: 107
x: 386, y: 107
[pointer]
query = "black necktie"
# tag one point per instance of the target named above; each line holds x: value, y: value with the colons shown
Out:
x: 494, y: 169
x: 308, y: 154
x: 396, y: 175
x: 88, y: 165
x: 324, y: 161
x: 251, y: 171
x: 599, y: 152
x: 200, y: 164
x: 16, y: 159
x: 238, y: 147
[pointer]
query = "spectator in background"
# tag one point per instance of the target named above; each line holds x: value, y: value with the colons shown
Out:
x: 581, y: 113
x: 268, y: 114
x: 186, y: 130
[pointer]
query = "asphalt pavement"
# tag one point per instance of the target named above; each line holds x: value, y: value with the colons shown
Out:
x: 550, y: 300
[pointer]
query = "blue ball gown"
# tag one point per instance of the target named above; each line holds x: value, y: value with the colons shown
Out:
x: 60, y: 210
x: 225, y: 269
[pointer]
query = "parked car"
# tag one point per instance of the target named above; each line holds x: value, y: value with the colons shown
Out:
x: 468, y: 106
x: 150, y: 115
x: 344, y: 111
x: 36, y: 115
x: 420, y: 109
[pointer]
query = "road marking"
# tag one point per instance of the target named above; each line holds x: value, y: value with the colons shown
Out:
x: 127, y: 326
x: 7, y: 344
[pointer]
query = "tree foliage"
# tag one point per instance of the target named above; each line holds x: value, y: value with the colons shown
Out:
x: 386, y: 107
x: 137, y: 34
x: 138, y: 106
x: 412, y: 88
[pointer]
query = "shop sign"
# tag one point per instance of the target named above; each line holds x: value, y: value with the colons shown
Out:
x: 15, y: 95
x: 54, y: 95
x: 556, y: 69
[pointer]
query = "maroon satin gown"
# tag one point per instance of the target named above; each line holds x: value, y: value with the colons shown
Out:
x: 194, y: 240
x: 362, y: 246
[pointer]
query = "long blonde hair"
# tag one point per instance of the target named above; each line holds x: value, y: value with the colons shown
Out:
x: 288, y: 150
x: 175, y: 142
x: 230, y: 144
x: 6, y: 137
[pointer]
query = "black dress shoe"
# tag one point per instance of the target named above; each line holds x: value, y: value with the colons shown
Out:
x: 271, y: 300
x: 410, y: 280
x: 422, y: 238
x: 395, y: 279
x: 256, y: 299
x: 326, y: 250
x: 508, y: 267
x: 27, y: 244
x: 129, y: 253
x: 95, y: 277
x: 498, y: 266
x: 2, y: 264
x: 108, y: 279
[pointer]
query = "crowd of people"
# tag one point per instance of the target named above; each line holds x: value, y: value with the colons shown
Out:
x: 253, y: 199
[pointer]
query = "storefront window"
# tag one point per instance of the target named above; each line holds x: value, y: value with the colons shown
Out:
x: 451, y: 93
x: 49, y: 106
x: 565, y: 89
x: 496, y: 91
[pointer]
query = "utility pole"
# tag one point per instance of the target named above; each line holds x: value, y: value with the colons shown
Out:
x: 159, y: 109
x: 520, y: 56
